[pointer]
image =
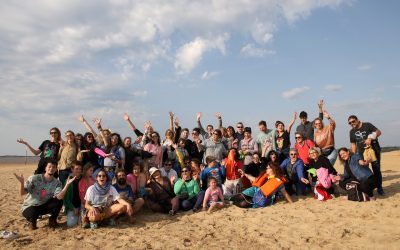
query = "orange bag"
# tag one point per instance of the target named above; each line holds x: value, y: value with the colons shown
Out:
x: 271, y: 186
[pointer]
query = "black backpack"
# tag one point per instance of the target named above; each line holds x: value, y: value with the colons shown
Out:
x: 353, y: 192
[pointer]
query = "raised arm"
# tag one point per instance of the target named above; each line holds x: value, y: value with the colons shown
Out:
x: 320, y: 109
x: 292, y: 122
x: 171, y: 121
x: 87, y: 125
x: 21, y: 181
x: 97, y: 121
x: 133, y: 127
x: 202, y: 131
x: 331, y: 121
x: 61, y: 194
x: 33, y: 150
x: 219, y: 118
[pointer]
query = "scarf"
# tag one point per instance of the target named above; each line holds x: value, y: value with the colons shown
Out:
x: 102, y: 190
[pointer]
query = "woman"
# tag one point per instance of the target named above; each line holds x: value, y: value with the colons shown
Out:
x: 85, y: 182
x: 232, y: 142
x: 116, y: 155
x: 324, y: 137
x: 323, y: 189
x: 72, y: 201
x: 131, y: 155
x: 282, y: 138
x: 264, y: 188
x: 101, y: 202
x: 154, y: 147
x: 87, y: 153
x: 303, y: 147
x: 48, y: 150
x: 272, y: 157
x: 356, y: 170
x: 188, y: 191
x: 247, y: 147
x: 161, y: 198
x: 66, y: 156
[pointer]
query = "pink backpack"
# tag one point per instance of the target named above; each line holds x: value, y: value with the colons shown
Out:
x: 324, y: 178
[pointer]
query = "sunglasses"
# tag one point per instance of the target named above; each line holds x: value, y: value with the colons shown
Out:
x: 168, y: 164
x: 352, y: 122
x: 185, y: 171
x: 239, y: 127
x: 293, y: 154
x: 298, y: 137
x: 101, y: 176
x: 53, y: 132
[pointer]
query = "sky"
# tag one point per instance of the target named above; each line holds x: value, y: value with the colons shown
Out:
x: 250, y: 60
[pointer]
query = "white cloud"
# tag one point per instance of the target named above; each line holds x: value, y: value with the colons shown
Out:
x: 142, y: 93
x: 294, y: 93
x: 250, y: 50
x: 365, y: 67
x: 190, y: 54
x: 208, y: 75
x: 333, y: 87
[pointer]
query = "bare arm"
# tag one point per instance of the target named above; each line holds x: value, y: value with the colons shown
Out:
x: 33, y: 150
x: 87, y: 125
x: 61, y: 194
x: 171, y: 121
x: 21, y: 184
x: 353, y: 147
x: 320, y: 109
x: 287, y: 196
x: 202, y: 131
x: 331, y: 121
x: 219, y: 118
x: 292, y: 122
x: 97, y: 121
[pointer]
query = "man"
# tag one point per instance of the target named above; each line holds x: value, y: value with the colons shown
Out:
x: 294, y: 170
x: 265, y: 136
x: 194, y: 152
x: 126, y: 193
x: 168, y: 172
x: 44, y: 195
x: 239, y: 135
x: 364, y: 135
x: 306, y: 127
x: 213, y: 147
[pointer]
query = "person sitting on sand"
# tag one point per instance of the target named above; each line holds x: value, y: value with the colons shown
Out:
x: 293, y: 168
x: 44, y: 195
x: 126, y: 193
x: 356, y: 170
x: 100, y: 202
x: 137, y: 180
x: 188, y: 191
x: 213, y: 198
x: 161, y: 198
x: 213, y: 169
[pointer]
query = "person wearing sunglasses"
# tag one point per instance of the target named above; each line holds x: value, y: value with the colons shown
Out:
x: 294, y: 171
x: 364, y: 135
x: 306, y: 127
x: 169, y: 172
x: 188, y: 191
x: 239, y: 135
x: 103, y: 202
x: 213, y: 147
x: 303, y: 147
x: 210, y: 128
x: 48, y: 150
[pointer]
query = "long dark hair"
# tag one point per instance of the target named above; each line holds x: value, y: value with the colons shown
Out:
x: 277, y: 169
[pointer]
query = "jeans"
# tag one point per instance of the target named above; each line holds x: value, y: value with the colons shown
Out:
x: 376, y: 168
x: 194, y: 202
x: 332, y: 157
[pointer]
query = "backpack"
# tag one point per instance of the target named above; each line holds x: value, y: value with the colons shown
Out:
x: 353, y: 192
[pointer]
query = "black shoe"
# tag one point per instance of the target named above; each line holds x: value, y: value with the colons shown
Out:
x: 53, y: 223
x: 380, y: 192
x: 32, y: 225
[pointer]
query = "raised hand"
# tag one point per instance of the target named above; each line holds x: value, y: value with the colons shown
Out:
x: 81, y: 118
x: 321, y: 104
x: 294, y: 115
x: 126, y: 117
x: 173, y: 178
x: 326, y: 114
x: 198, y: 116
x: 97, y: 121
x: 20, y: 178
x: 218, y: 115
x: 176, y: 122
x: 171, y: 114
x: 20, y: 140
x: 70, y: 180
x: 147, y: 125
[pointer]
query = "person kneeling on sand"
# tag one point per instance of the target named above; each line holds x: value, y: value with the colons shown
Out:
x: 44, y: 195
x: 213, y: 199
x: 101, y: 202
x: 126, y: 193
x: 356, y: 171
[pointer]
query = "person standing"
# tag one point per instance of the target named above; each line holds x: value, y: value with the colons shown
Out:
x: 364, y: 135
x: 306, y: 127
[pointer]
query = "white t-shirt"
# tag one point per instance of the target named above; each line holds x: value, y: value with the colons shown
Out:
x: 171, y: 173
x: 95, y: 199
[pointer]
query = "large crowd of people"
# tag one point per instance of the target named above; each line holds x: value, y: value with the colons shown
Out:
x: 98, y: 178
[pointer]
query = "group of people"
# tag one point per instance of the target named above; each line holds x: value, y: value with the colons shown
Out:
x: 98, y: 179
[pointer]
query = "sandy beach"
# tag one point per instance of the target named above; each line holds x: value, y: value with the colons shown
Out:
x: 306, y: 224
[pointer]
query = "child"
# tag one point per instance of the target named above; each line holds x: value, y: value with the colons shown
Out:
x: 213, y: 169
x: 137, y: 180
x: 213, y: 197
x: 232, y: 165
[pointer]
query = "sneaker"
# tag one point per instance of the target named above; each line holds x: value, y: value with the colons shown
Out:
x: 172, y: 212
x: 94, y: 225
x: 53, y: 223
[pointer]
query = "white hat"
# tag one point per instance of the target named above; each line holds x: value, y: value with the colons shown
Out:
x: 153, y: 170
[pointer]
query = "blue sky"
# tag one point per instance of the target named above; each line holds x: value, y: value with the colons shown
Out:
x: 249, y: 60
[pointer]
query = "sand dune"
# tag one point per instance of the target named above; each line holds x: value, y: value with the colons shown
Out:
x: 305, y: 224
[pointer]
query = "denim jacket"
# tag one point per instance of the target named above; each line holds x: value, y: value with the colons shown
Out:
x: 360, y: 172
